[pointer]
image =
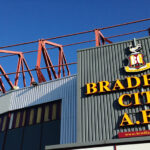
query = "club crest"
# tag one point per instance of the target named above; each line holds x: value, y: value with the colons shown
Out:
x: 136, y: 60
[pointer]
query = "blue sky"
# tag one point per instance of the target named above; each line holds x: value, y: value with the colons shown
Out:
x: 27, y: 20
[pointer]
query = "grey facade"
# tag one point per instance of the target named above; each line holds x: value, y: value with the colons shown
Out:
x: 99, y: 115
x: 64, y: 89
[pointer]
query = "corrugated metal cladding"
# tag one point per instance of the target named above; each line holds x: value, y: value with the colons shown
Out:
x: 64, y: 89
x: 99, y: 115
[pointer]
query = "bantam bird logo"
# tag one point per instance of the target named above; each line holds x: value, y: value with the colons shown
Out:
x: 135, y: 49
x: 136, y: 60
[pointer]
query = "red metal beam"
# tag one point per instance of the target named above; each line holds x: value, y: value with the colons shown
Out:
x: 104, y: 38
x: 40, y: 68
x: 7, y: 79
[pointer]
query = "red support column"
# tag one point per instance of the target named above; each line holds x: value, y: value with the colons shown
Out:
x: 41, y: 78
x: 66, y: 65
x: 23, y: 73
x: 60, y: 62
x: 17, y: 71
x: 47, y: 64
x: 97, y: 37
x: 2, y: 86
x: 63, y: 67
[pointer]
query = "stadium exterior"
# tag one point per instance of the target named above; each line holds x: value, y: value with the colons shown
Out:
x: 106, y: 105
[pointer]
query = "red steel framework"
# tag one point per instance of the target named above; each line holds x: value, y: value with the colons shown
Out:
x: 63, y: 66
x: 62, y: 62
x: 21, y: 63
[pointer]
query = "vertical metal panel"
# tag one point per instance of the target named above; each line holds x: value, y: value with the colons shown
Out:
x: 5, y: 102
x: 98, y: 115
x: 64, y: 89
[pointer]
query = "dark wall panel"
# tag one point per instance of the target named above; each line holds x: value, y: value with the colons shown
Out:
x: 50, y: 133
x: 14, y: 139
x: 1, y: 139
x: 34, y: 137
x: 31, y: 139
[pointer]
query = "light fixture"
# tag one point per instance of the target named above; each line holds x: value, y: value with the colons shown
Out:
x: 15, y: 87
